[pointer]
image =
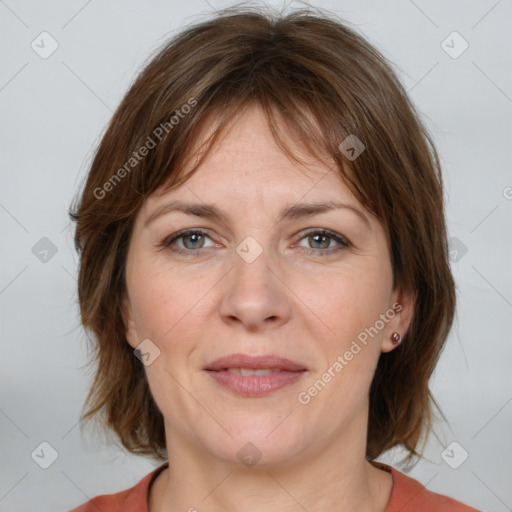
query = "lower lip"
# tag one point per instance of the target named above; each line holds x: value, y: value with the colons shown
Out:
x: 255, y: 385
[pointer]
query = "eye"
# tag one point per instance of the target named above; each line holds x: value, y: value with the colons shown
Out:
x: 323, y: 241
x: 187, y: 241
x: 320, y: 242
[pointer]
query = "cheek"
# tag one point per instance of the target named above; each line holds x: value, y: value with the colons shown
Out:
x: 348, y: 301
x: 349, y: 306
x: 164, y: 294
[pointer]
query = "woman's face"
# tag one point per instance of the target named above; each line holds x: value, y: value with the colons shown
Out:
x: 259, y: 281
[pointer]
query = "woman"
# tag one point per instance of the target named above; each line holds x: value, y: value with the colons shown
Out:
x: 264, y: 272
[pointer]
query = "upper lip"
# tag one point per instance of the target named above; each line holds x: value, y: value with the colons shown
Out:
x: 271, y: 361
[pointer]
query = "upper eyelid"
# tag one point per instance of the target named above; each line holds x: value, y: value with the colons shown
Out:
x: 324, y: 231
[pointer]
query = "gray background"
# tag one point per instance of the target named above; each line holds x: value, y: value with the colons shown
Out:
x: 53, y: 112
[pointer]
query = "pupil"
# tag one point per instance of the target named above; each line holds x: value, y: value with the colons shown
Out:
x: 189, y: 237
x: 316, y: 237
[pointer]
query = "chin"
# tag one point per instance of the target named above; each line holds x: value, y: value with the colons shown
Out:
x: 259, y: 444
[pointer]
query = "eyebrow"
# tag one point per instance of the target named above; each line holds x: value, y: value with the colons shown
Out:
x: 290, y: 212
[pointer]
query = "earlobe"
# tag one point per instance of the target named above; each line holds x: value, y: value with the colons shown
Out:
x: 396, y: 339
x: 403, y: 308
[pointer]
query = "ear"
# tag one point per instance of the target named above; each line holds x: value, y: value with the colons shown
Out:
x: 131, y: 334
x: 402, y: 303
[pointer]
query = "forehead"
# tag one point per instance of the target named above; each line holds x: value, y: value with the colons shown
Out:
x: 247, y: 162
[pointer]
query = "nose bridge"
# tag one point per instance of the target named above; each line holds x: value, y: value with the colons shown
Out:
x: 253, y: 294
x: 253, y: 265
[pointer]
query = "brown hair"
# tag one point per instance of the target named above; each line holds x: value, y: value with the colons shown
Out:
x: 325, y: 82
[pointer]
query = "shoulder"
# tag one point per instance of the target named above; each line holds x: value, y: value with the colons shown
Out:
x: 134, y: 499
x: 409, y: 495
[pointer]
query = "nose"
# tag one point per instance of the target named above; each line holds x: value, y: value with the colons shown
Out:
x: 254, y: 296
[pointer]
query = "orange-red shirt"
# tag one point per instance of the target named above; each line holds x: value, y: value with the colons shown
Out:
x: 408, y: 495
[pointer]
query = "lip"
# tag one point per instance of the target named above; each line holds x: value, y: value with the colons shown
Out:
x: 271, y: 361
x: 255, y: 385
x: 287, y: 372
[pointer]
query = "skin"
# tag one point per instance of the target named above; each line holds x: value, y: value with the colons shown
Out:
x: 291, y: 301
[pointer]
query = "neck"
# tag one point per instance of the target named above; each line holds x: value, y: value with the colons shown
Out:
x: 336, y: 477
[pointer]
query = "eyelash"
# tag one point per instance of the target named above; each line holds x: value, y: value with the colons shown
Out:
x: 342, y: 241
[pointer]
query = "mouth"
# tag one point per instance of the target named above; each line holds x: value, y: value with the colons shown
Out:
x: 246, y: 372
x: 247, y: 362
x: 255, y: 376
